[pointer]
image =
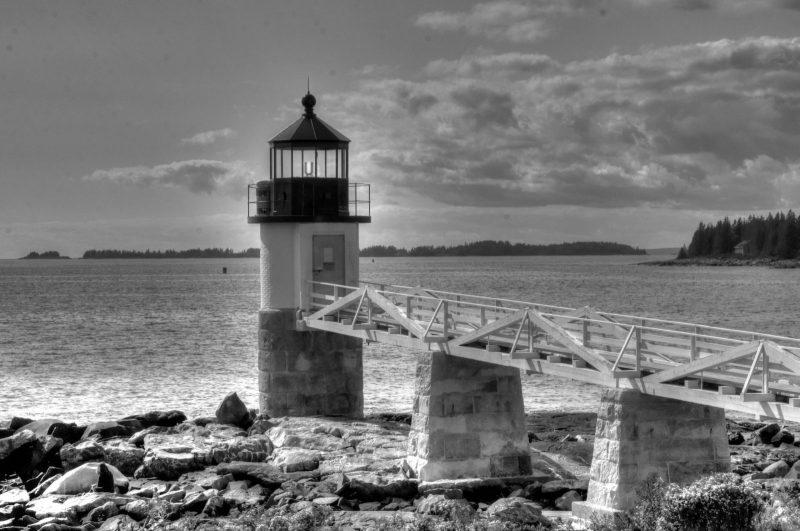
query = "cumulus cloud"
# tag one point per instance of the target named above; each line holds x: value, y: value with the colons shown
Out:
x: 706, y: 126
x: 525, y: 22
x: 196, y: 176
x: 209, y: 137
x: 509, y: 65
x: 503, y: 20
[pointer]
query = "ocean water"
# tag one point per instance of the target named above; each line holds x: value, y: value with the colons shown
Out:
x: 88, y: 340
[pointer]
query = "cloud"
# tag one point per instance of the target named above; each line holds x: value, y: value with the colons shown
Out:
x: 703, y: 126
x: 531, y: 21
x: 510, y: 65
x: 504, y: 20
x: 741, y: 6
x: 196, y: 176
x: 209, y: 137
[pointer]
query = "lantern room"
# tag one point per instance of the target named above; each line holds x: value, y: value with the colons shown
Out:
x: 308, y: 176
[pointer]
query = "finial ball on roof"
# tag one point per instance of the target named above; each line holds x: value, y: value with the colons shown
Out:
x: 308, y: 102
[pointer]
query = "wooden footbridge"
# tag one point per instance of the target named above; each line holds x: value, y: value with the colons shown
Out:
x: 737, y: 370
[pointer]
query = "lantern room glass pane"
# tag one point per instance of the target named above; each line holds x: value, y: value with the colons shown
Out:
x: 284, y: 163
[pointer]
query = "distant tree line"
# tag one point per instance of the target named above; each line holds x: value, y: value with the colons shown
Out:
x: 774, y: 236
x: 46, y: 254
x: 215, y: 252
x: 503, y: 248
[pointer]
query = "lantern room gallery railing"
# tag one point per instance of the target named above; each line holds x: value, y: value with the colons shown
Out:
x: 273, y: 199
x: 739, y: 370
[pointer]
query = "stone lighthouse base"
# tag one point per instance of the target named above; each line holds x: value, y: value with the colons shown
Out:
x: 307, y: 373
x: 640, y: 435
x: 468, y: 420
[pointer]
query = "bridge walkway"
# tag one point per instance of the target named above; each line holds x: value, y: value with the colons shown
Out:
x: 738, y: 370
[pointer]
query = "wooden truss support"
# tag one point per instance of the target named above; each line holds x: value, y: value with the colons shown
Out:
x: 392, y: 311
x: 706, y: 362
x: 555, y: 331
x: 337, y: 305
x: 494, y: 326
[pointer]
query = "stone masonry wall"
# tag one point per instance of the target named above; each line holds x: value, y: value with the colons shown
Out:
x: 640, y: 435
x: 468, y: 420
x: 307, y: 373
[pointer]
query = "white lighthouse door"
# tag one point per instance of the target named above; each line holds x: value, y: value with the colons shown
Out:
x: 327, y: 259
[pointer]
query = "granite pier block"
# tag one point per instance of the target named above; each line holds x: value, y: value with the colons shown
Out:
x: 468, y: 420
x: 305, y: 373
x: 640, y: 435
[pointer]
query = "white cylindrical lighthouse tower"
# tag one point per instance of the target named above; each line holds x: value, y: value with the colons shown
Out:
x: 308, y: 212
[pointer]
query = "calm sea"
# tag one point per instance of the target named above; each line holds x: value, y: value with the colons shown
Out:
x: 88, y: 340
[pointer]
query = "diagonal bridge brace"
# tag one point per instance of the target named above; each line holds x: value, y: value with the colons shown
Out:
x: 704, y: 363
x: 555, y: 331
x: 392, y: 311
x: 486, y: 330
x: 344, y: 302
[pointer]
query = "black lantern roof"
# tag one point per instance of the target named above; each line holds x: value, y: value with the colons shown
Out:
x: 310, y: 131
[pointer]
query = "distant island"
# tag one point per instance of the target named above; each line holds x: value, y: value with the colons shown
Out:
x: 772, y: 241
x: 215, y: 252
x: 504, y: 248
x: 47, y: 255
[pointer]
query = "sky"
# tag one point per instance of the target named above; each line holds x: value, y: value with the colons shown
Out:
x: 139, y: 124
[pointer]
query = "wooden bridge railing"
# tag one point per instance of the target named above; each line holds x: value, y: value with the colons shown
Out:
x: 653, y: 355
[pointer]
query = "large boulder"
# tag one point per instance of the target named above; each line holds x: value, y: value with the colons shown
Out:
x: 296, y: 459
x: 137, y: 509
x: 256, y: 448
x: 66, y: 432
x: 106, y: 430
x: 778, y: 469
x: 518, y: 511
x: 73, y: 455
x: 264, y: 474
x: 82, y: 479
x: 24, y: 452
x: 159, y: 418
x: 233, y: 411
x: 766, y: 433
x: 782, y: 437
x: 123, y: 455
x: 137, y: 439
x: 9, y: 445
x: 451, y: 509
x: 168, y: 465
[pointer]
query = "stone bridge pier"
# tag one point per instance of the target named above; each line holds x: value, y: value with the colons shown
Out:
x: 640, y: 435
x: 468, y: 420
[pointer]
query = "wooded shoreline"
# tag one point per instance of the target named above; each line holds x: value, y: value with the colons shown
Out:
x: 728, y: 261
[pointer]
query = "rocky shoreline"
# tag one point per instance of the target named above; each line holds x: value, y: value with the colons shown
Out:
x: 728, y: 261
x: 238, y: 469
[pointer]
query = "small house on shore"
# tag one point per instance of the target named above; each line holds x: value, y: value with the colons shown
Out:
x: 742, y: 248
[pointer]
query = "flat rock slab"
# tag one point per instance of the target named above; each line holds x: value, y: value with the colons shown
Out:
x: 13, y: 497
x: 264, y: 474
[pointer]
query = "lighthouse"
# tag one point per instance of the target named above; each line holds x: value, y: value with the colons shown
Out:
x: 308, y: 214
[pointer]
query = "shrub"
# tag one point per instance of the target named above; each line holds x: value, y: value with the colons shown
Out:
x: 782, y: 512
x: 651, y: 502
x: 722, y: 502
